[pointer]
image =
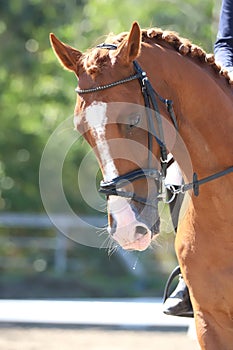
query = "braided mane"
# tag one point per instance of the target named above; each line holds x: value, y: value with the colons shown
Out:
x: 184, y: 47
x: 95, y: 58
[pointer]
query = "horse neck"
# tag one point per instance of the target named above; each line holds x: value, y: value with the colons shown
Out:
x: 203, y: 105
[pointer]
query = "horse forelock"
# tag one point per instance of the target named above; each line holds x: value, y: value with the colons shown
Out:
x: 95, y: 59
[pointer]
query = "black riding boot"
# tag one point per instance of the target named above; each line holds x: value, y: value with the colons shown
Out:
x: 178, y: 303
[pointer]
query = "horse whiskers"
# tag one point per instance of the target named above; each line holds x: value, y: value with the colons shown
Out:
x: 152, y: 246
x: 112, y: 249
x: 160, y: 242
x: 102, y: 230
x: 157, y: 242
x: 105, y: 242
x: 109, y: 244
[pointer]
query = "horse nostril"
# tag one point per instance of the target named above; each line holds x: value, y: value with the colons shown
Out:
x: 112, y: 227
x: 141, y: 230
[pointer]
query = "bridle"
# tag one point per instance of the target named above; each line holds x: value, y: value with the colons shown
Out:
x: 115, y: 186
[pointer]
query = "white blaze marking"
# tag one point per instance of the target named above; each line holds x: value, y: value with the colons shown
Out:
x: 120, y: 209
x: 96, y: 118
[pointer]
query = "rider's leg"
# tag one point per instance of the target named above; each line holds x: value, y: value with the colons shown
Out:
x: 178, y: 303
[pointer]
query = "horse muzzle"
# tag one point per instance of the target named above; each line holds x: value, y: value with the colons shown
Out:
x: 134, y: 219
x: 131, y: 224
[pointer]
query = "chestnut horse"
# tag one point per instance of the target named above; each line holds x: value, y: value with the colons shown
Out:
x: 202, y: 98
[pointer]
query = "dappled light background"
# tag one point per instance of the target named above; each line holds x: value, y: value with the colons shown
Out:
x: 36, y: 96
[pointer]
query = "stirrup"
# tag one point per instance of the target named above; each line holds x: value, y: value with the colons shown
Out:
x: 173, y: 275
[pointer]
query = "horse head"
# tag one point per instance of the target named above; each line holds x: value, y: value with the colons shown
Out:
x: 110, y: 112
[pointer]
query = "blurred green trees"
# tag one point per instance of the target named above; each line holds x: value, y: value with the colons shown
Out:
x: 36, y: 94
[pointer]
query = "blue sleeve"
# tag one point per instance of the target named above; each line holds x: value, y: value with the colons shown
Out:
x: 223, y: 47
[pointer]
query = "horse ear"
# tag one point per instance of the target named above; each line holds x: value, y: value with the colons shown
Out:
x: 130, y: 48
x: 67, y: 55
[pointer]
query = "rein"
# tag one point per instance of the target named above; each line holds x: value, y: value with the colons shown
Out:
x: 196, y: 183
x: 115, y: 186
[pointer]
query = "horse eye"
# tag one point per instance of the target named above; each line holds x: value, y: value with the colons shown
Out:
x: 134, y: 120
